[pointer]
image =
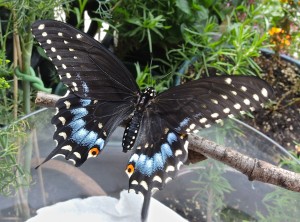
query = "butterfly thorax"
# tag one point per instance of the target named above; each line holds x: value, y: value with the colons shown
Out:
x: 132, y: 128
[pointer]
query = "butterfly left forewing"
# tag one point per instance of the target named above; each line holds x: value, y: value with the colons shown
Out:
x: 83, y: 64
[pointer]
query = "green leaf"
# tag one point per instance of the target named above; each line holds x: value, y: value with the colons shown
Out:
x: 183, y: 5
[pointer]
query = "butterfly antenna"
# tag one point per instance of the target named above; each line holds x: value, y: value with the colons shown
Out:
x: 145, y: 208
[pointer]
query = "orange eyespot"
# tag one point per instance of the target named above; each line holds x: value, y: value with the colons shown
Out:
x: 129, y: 169
x: 93, y: 152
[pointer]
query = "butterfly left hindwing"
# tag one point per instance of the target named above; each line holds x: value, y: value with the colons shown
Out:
x: 83, y: 126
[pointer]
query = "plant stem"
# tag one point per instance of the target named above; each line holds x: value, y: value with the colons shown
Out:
x: 15, y: 64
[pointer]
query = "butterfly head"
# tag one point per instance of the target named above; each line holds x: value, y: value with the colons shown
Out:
x: 149, y: 92
x: 145, y: 98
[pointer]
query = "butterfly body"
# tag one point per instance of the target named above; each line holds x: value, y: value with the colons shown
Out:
x: 132, y: 127
x: 103, y: 93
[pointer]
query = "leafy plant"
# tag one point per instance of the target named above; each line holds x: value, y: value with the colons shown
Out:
x: 227, y: 48
x: 12, y: 175
x: 15, y: 26
x: 210, y: 188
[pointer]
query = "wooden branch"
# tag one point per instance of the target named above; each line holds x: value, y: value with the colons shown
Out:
x: 200, y: 148
x: 253, y: 168
x: 46, y: 99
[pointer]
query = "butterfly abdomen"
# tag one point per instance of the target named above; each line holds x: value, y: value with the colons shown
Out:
x: 131, y: 131
x: 133, y: 126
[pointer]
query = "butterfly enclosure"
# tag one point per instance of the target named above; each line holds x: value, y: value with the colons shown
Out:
x: 231, y: 192
x: 160, y: 114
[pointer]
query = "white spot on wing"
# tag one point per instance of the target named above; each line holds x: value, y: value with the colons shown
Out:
x: 63, y: 134
x: 255, y: 96
x: 192, y: 126
x: 179, y: 165
x: 264, y: 92
x: 214, y: 115
x: 144, y: 184
x: 78, y: 36
x: 168, y: 179
x: 53, y: 49
x: 62, y: 120
x: 178, y: 152
x: 68, y: 104
x: 203, y: 120
x: 67, y: 147
x: 44, y: 34
x: 207, y: 125
x: 134, y: 182
x: 41, y: 27
x: 226, y: 110
x: 233, y: 92
x: 78, y: 155
x: 214, y: 101
x: 237, y: 106
x: 243, y: 88
x: 157, y: 178
x: 49, y: 41
x: 224, y: 96
x: 170, y: 168
x: 247, y: 101
x: 228, y: 80
x: 185, y: 146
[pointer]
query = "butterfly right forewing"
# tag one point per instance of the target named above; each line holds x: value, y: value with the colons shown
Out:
x: 201, y: 103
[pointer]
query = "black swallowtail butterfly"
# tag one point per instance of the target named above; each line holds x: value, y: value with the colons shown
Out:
x: 102, y: 93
